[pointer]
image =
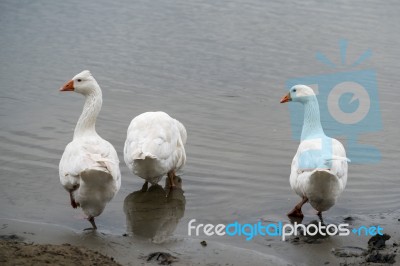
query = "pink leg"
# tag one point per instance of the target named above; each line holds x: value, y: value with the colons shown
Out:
x: 296, y: 212
x: 91, y: 220
x: 171, y: 175
x: 74, y: 204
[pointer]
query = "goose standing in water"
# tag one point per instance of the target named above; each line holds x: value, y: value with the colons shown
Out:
x: 89, y: 167
x: 319, y: 168
x: 154, y: 147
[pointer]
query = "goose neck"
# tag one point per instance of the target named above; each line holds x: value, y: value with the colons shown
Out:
x: 312, y: 127
x: 91, y: 109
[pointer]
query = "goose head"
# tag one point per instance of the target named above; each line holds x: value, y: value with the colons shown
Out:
x: 83, y: 83
x: 298, y: 93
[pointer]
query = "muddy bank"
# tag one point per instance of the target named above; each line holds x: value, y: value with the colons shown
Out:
x: 20, y: 253
x: 182, y: 250
x: 353, y: 249
x: 128, y: 250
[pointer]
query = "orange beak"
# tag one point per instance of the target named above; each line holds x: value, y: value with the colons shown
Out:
x: 286, y: 98
x: 69, y: 86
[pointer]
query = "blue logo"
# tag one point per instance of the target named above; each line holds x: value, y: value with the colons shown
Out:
x: 279, y: 229
x: 349, y: 105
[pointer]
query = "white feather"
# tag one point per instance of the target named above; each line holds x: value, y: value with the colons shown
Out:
x: 321, y: 185
x: 319, y: 167
x: 155, y: 145
x: 90, y: 163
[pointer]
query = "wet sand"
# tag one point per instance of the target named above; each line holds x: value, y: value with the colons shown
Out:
x: 61, y: 245
x: 20, y: 253
x: 347, y: 250
x: 130, y: 251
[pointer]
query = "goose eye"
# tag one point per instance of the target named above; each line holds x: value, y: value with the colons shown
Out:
x: 294, y: 90
x: 79, y: 80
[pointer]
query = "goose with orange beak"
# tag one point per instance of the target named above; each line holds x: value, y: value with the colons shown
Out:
x: 319, y: 168
x: 89, y: 167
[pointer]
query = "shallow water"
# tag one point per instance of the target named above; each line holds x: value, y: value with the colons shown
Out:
x: 220, y: 68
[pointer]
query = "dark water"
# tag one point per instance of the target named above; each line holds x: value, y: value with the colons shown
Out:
x: 218, y: 67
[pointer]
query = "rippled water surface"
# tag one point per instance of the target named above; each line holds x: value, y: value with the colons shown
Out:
x: 220, y: 67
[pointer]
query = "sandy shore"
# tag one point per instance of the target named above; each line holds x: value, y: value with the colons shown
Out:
x: 20, y: 253
x: 25, y: 243
x: 129, y: 251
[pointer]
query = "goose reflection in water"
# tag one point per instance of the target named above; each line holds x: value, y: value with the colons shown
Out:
x: 154, y: 212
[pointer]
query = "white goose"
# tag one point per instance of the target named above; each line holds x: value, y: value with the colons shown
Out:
x: 154, y: 146
x: 319, y: 168
x: 89, y: 167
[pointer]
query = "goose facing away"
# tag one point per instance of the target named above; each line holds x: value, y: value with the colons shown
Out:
x: 154, y: 146
x: 89, y: 166
x: 319, y: 168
